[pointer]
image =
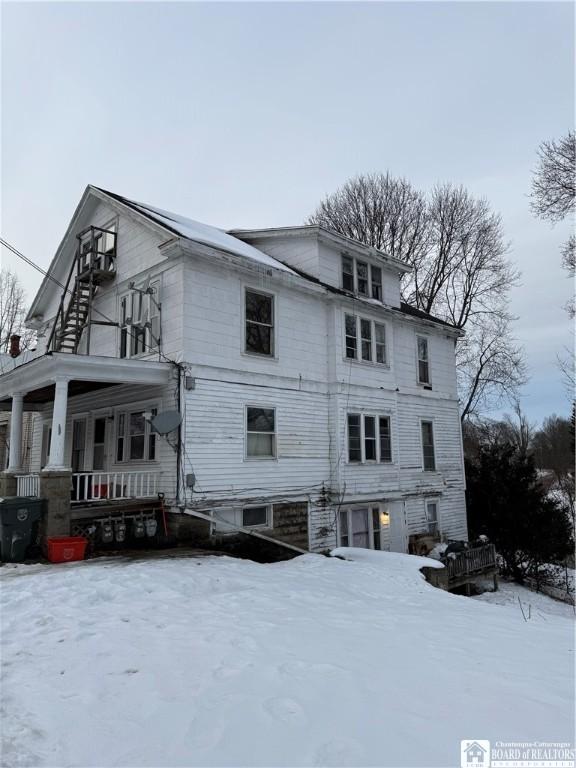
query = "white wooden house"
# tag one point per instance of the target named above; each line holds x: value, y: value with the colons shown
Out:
x: 316, y: 406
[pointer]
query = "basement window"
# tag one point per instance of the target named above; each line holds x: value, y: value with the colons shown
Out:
x: 256, y: 517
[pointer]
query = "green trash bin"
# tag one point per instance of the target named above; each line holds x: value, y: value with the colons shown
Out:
x: 19, y: 516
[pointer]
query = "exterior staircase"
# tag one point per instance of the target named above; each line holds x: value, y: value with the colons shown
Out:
x: 94, y: 263
x: 69, y: 333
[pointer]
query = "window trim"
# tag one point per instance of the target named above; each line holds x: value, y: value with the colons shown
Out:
x: 424, y: 384
x: 369, y: 264
x: 274, y: 338
x: 432, y: 500
x: 363, y: 460
x: 269, y: 516
x: 373, y: 343
x: 421, y: 422
x: 126, y: 411
x: 274, y: 457
x: 372, y: 532
x: 154, y: 304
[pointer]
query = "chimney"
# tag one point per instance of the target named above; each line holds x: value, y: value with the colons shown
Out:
x: 14, y: 345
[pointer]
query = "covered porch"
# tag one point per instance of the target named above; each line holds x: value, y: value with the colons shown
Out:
x: 93, y: 444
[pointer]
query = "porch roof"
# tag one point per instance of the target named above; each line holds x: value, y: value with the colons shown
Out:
x: 85, y: 373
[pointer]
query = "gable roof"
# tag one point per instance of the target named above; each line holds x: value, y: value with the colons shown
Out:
x: 221, y: 240
x: 199, y: 232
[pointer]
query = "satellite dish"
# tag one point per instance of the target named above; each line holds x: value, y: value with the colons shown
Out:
x: 166, y: 422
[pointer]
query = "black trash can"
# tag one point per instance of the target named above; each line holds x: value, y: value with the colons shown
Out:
x: 19, y: 518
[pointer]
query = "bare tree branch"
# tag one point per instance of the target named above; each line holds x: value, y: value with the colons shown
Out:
x: 12, y: 311
x: 554, y: 181
x: 456, y: 247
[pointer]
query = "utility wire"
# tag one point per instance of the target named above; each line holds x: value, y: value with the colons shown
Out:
x: 42, y: 271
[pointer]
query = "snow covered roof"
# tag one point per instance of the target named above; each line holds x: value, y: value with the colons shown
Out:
x: 201, y: 233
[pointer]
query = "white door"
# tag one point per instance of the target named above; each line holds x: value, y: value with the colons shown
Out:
x: 397, y: 527
x: 359, y: 523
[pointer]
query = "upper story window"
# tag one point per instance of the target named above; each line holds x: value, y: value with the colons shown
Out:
x: 369, y: 438
x: 135, y: 439
x: 365, y: 340
x: 140, y: 321
x: 260, y: 433
x: 428, y: 453
x: 360, y: 277
x: 259, y: 323
x: 98, y: 247
x: 423, y: 360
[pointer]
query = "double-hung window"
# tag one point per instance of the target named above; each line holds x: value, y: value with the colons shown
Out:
x: 259, y: 323
x: 376, y: 281
x: 423, y: 361
x: 428, y: 455
x: 360, y: 527
x: 135, y: 439
x: 260, y: 433
x: 362, y: 278
x: 365, y: 340
x: 140, y: 321
x: 432, y: 516
x: 369, y: 438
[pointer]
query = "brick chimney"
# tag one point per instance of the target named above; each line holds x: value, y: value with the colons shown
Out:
x: 14, y: 345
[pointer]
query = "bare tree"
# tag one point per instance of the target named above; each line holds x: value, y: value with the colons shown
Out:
x: 456, y: 247
x: 490, y: 365
x: 554, y: 193
x: 386, y: 213
x: 554, y: 182
x: 12, y: 311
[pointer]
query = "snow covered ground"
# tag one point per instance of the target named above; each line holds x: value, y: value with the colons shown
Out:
x: 215, y: 661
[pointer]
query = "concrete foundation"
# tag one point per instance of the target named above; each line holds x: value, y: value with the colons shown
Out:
x: 7, y: 484
x: 55, y: 488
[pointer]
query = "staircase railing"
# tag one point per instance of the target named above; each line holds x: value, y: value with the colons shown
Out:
x: 471, y: 561
x: 60, y: 318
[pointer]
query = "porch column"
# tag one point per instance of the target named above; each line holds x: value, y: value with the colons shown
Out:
x: 58, y: 438
x: 15, y: 458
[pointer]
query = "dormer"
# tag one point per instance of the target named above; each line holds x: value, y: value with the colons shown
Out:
x: 332, y: 259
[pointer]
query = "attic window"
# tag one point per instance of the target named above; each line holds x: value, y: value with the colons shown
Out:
x: 362, y: 278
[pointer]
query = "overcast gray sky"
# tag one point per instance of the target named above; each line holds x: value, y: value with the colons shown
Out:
x: 247, y: 114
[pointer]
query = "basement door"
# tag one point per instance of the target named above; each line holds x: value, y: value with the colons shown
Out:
x: 397, y: 527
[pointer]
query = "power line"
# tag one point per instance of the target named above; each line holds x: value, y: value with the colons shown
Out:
x: 42, y: 271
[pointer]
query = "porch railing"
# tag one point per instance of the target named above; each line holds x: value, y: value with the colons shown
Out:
x: 471, y: 561
x: 27, y: 485
x: 110, y: 486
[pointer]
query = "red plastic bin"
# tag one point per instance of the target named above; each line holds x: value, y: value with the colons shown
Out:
x: 65, y: 549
